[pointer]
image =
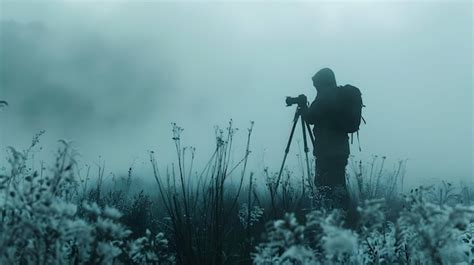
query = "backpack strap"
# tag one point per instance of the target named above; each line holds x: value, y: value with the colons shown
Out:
x: 358, y: 140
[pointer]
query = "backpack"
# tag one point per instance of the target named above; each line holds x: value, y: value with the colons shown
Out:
x: 349, y: 108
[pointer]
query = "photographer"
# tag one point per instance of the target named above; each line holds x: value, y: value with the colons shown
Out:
x: 331, y: 147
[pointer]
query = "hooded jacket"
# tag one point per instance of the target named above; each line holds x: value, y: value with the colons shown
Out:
x: 329, y: 141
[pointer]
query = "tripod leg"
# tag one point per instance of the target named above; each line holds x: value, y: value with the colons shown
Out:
x: 310, y: 133
x: 287, y: 150
x: 306, y: 149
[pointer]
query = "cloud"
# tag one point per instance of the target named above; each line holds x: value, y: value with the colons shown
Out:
x: 76, y: 79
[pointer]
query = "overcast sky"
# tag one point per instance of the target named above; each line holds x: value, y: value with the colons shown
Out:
x: 112, y: 76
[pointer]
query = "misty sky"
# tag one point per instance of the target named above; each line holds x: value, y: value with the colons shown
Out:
x: 112, y: 76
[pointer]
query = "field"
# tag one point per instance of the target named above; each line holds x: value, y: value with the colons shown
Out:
x: 67, y: 213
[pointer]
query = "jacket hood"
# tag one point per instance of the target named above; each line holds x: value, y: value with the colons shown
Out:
x: 324, y: 78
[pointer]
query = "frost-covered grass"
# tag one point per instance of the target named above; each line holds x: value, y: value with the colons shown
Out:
x: 424, y: 233
x: 44, y: 220
x: 62, y: 213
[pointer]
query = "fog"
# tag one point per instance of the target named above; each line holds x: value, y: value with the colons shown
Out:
x: 112, y: 76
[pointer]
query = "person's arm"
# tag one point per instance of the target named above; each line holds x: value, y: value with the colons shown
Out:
x: 313, y: 113
x: 322, y: 106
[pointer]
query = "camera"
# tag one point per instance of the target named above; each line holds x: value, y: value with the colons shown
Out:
x: 301, y: 100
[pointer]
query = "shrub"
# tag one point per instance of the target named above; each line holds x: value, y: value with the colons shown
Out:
x: 44, y: 223
x: 425, y: 233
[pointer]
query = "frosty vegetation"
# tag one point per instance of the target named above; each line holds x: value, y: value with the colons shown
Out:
x: 44, y: 220
x: 67, y: 213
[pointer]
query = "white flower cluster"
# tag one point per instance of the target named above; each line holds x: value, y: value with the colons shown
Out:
x: 42, y: 223
x: 248, y: 217
x: 150, y: 250
x: 285, y: 245
x: 424, y: 233
x: 436, y: 233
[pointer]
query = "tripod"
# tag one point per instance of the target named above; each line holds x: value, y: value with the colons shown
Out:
x: 304, y: 126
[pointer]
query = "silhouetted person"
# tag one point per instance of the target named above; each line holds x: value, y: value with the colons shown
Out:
x: 331, y: 147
